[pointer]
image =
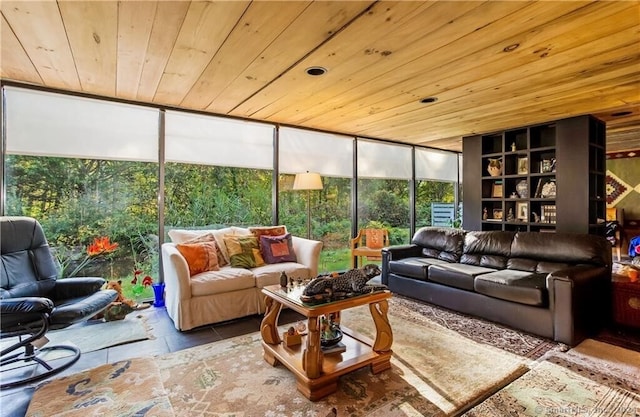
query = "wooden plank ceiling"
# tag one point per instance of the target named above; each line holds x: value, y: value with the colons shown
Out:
x: 492, y: 65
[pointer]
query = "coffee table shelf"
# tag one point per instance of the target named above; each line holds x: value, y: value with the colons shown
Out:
x: 316, y: 373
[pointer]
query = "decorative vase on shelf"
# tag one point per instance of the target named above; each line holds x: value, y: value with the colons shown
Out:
x: 495, y: 167
x: 522, y: 188
x: 549, y: 190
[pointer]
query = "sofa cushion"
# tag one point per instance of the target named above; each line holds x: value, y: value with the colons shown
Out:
x: 269, y: 274
x: 533, y: 265
x: 209, y: 237
x: 258, y: 231
x: 221, y: 233
x: 183, y: 235
x: 517, y: 286
x: 490, y: 249
x: 200, y: 256
x: 244, y: 251
x: 277, y: 249
x: 489, y: 261
x: 456, y: 275
x: 225, y: 280
x: 414, y: 267
x: 572, y: 248
x: 440, y: 242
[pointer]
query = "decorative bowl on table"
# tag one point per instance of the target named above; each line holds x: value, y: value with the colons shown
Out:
x: 331, y: 336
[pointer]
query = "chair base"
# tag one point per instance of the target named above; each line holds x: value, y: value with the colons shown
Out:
x: 36, y: 368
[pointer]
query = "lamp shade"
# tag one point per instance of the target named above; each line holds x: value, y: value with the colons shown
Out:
x: 307, y: 181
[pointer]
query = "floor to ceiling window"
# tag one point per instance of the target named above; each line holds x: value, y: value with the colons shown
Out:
x: 95, y: 169
x: 218, y: 172
x: 384, y: 174
x: 88, y: 171
x: 436, y: 178
x: 328, y: 216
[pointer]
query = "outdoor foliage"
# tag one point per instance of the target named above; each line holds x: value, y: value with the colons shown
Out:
x: 80, y: 200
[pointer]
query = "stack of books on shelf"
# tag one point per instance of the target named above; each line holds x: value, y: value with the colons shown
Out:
x: 548, y: 214
x: 337, y: 348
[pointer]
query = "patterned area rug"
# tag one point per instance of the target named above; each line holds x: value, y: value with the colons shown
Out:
x: 127, y: 388
x: 482, y: 331
x: 435, y: 371
x: 594, y: 379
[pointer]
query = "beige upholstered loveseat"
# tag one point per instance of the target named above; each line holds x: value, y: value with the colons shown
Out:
x: 230, y: 292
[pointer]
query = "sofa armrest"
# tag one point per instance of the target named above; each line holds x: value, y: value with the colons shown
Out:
x: 402, y: 251
x: 393, y: 253
x: 176, y: 276
x: 308, y: 253
x: 580, y: 299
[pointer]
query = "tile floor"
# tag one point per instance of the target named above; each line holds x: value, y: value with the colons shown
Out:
x: 165, y: 339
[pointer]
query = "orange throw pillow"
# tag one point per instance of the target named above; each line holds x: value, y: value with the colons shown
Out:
x: 210, y: 237
x: 200, y: 257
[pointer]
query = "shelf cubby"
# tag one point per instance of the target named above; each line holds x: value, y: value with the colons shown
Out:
x: 569, y: 153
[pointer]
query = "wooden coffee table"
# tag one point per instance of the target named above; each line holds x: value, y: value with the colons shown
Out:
x: 317, y: 374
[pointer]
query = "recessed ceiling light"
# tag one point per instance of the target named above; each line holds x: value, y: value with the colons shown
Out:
x: 621, y: 113
x: 429, y: 100
x: 316, y: 71
x: 511, y: 47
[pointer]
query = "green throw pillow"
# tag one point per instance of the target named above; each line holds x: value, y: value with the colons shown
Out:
x: 244, y: 251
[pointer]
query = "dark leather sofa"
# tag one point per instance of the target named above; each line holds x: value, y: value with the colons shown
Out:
x: 555, y: 285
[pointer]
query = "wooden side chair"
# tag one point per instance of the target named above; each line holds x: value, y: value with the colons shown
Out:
x: 369, y: 244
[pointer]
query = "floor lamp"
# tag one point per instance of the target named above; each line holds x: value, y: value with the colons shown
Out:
x: 308, y: 181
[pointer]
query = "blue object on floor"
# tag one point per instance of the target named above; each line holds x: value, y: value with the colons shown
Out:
x: 158, y: 292
x: 633, y: 244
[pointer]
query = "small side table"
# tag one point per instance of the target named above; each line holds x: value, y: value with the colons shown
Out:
x: 626, y: 301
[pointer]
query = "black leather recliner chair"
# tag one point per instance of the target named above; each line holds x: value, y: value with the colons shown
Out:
x: 33, y: 300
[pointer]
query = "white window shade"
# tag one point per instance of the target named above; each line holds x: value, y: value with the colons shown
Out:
x: 382, y: 160
x: 305, y: 150
x: 210, y: 140
x: 43, y: 123
x: 436, y: 165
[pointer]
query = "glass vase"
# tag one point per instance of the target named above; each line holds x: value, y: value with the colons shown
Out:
x: 158, y: 292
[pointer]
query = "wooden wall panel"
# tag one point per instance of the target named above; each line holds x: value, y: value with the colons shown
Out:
x: 166, y: 26
x: 92, y: 29
x: 15, y: 62
x: 204, y: 30
x: 40, y: 31
x: 135, y: 21
x: 491, y: 64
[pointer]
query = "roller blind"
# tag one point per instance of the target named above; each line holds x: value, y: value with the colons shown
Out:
x: 50, y: 124
x: 436, y: 165
x: 211, y: 140
x: 382, y: 160
x: 305, y: 150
